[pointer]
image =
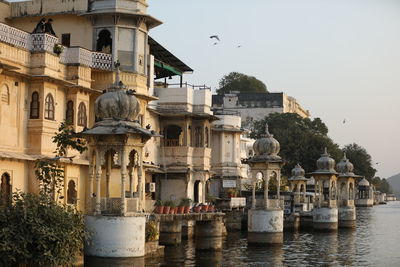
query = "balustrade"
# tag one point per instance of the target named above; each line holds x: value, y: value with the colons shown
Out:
x: 43, y: 42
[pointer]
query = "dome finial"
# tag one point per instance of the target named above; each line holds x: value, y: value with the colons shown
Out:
x: 344, y: 155
x: 326, y: 151
x: 117, y: 65
x: 267, y: 134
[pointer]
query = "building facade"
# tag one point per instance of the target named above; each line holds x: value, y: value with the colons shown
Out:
x: 255, y: 106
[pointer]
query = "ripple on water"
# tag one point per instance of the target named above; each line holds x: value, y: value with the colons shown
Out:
x: 374, y: 242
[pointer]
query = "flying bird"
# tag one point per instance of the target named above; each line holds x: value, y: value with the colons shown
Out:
x: 344, y: 121
x: 239, y: 46
x: 215, y: 37
x: 215, y: 43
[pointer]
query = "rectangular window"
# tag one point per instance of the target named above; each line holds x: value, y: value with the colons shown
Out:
x: 66, y: 39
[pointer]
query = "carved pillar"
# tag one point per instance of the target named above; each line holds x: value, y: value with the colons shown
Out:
x: 222, y: 148
x: 130, y: 172
x: 91, y: 178
x: 266, y: 179
x: 108, y: 174
x: 253, y: 201
x: 140, y: 181
x: 98, y: 182
x: 234, y: 149
x: 278, y: 188
x: 123, y: 180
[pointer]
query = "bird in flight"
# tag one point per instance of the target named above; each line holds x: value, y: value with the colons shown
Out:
x: 239, y: 46
x: 215, y: 43
x: 344, y: 121
x: 215, y: 37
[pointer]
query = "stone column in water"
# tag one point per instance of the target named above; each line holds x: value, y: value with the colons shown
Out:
x: 325, y: 213
x: 171, y: 232
x: 208, y: 234
x: 265, y: 221
x: 346, y: 185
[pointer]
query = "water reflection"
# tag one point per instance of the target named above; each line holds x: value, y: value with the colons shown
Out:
x: 374, y: 242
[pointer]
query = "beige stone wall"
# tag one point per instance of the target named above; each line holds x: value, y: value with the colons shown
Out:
x: 79, y: 27
x: 5, y: 11
x: 18, y: 171
x: 43, y: 7
x: 13, y: 113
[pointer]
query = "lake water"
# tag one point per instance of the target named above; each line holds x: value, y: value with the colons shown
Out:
x: 374, y: 242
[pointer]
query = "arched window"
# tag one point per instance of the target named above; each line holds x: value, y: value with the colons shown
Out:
x: 5, y: 190
x: 104, y: 42
x: 5, y: 94
x: 49, y: 107
x: 82, y: 118
x: 69, y: 115
x: 35, y: 106
x: 72, y: 193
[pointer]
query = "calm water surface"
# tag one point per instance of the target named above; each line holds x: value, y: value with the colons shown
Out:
x: 374, y: 242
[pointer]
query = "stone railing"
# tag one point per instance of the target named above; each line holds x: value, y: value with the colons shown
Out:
x: 14, y: 36
x: 43, y: 42
x: 76, y: 55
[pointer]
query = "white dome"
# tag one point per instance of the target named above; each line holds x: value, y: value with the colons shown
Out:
x: 325, y: 163
x: 363, y: 182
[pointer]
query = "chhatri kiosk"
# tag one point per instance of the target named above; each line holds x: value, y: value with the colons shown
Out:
x: 265, y: 218
x: 325, y: 212
x: 116, y: 195
x: 346, y: 185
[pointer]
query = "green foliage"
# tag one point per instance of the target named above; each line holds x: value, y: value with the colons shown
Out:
x: 382, y: 185
x: 185, y: 202
x: 302, y: 140
x: 236, y: 81
x: 361, y: 160
x: 66, y: 138
x: 38, y: 231
x: 151, y: 231
x: 51, y: 177
x: 210, y: 199
x: 170, y: 203
x: 50, y: 172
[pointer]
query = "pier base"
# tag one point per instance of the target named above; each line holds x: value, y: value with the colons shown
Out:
x: 188, y: 229
x: 364, y: 202
x: 265, y: 227
x: 170, y: 233
x: 347, y: 217
x: 208, y: 235
x: 325, y: 219
x: 116, y: 237
x: 292, y: 222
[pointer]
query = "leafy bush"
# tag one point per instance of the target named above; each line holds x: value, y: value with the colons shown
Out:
x: 151, y: 231
x: 36, y: 230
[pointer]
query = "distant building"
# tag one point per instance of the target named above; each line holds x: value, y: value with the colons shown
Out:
x: 255, y: 106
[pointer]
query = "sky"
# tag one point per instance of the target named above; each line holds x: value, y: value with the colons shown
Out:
x: 339, y: 58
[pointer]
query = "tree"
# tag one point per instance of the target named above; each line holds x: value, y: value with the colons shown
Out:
x: 302, y: 140
x: 381, y: 185
x: 36, y: 230
x: 361, y: 160
x: 236, y: 81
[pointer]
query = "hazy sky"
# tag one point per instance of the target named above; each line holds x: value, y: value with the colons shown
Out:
x: 339, y: 58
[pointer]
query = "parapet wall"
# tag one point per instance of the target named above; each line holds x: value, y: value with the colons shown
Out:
x: 44, y: 7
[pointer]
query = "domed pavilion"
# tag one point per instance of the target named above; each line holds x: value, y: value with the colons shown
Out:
x: 266, y: 168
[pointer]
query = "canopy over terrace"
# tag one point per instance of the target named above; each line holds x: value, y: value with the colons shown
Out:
x: 165, y: 63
